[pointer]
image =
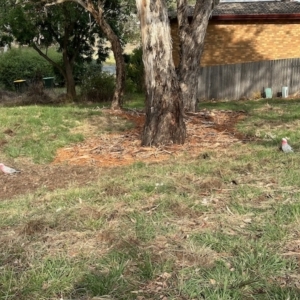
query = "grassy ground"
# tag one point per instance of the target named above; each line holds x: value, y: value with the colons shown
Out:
x: 215, y: 227
x: 38, y: 131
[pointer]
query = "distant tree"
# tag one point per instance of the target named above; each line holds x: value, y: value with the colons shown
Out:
x: 129, y: 22
x: 68, y: 27
x: 5, y: 39
x: 102, y: 11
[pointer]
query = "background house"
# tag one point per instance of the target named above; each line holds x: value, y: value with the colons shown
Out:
x: 247, y: 32
x: 249, y: 46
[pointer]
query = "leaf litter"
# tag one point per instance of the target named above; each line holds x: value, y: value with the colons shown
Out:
x: 206, y: 130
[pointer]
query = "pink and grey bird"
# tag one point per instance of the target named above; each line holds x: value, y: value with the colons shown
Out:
x: 285, y: 147
x: 7, y: 170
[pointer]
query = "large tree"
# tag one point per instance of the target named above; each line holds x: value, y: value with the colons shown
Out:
x: 164, y: 108
x: 100, y: 10
x: 191, y: 35
x: 164, y: 100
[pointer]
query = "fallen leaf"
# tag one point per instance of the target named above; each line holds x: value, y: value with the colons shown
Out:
x: 247, y: 221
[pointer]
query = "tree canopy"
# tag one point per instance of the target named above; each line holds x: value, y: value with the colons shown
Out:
x: 68, y: 27
x: 101, y: 13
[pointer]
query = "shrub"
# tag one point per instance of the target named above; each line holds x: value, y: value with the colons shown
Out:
x: 78, y: 72
x: 36, y: 94
x: 135, y: 72
x: 22, y: 64
x: 97, y: 86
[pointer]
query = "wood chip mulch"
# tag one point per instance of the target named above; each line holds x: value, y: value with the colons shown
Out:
x: 206, y: 130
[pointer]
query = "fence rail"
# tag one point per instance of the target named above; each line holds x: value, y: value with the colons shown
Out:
x: 245, y: 80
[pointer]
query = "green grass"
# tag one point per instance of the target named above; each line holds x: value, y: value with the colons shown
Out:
x: 179, y: 229
x: 273, y: 119
x: 134, y: 101
x: 36, y: 132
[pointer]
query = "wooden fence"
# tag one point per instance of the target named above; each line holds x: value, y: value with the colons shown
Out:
x: 246, y: 80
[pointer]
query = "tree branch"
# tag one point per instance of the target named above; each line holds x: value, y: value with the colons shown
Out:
x: 36, y: 48
x: 182, y: 14
x: 201, y: 9
x: 51, y: 3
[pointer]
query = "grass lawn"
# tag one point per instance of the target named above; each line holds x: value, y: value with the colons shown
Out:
x: 222, y: 227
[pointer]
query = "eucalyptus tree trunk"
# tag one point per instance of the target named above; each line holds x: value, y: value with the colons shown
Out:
x: 191, y: 35
x: 164, y: 108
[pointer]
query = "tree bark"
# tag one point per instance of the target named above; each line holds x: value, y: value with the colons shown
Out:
x: 69, y: 78
x: 164, y: 108
x: 117, y: 49
x: 191, y: 35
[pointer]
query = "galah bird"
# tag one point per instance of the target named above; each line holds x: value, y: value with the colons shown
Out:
x: 285, y: 147
x: 8, y: 170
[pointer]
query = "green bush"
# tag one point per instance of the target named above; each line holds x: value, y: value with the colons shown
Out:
x: 135, y: 72
x: 97, y: 86
x: 78, y: 72
x: 22, y: 64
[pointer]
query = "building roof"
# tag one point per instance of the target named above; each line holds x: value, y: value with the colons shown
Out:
x: 256, y: 8
x: 252, y: 10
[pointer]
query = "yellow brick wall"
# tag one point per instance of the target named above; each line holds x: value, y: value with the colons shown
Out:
x: 238, y: 42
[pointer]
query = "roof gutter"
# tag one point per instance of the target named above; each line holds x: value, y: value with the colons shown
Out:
x: 256, y: 17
